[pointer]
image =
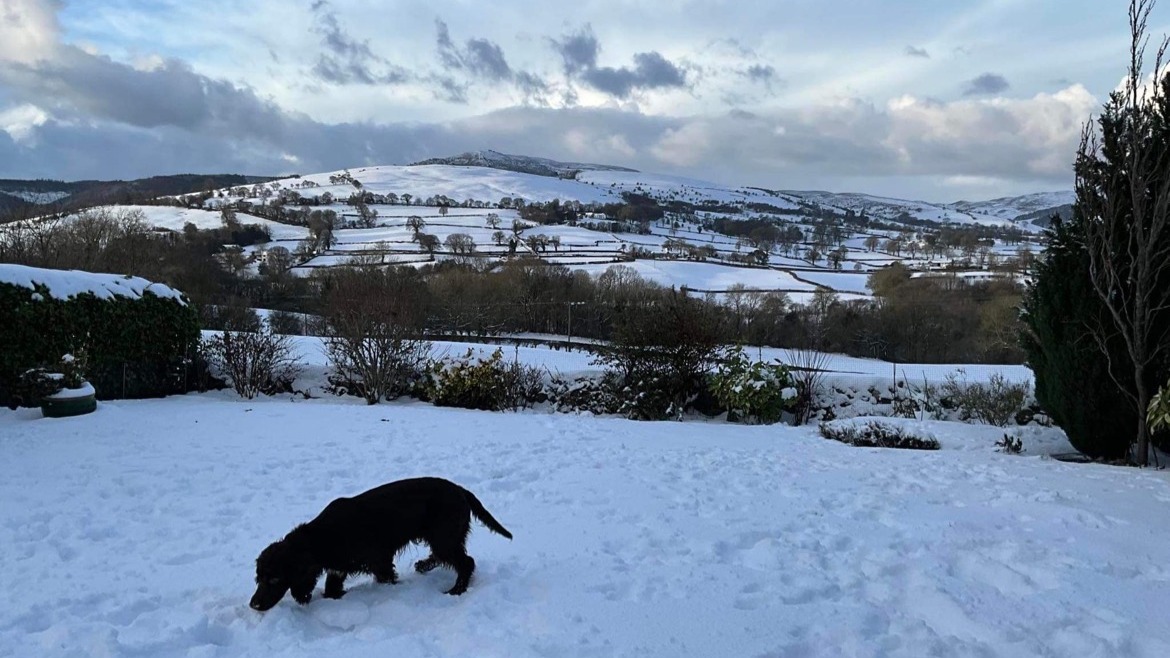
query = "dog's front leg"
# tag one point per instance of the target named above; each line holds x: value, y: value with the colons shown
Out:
x: 302, y: 592
x: 334, y: 584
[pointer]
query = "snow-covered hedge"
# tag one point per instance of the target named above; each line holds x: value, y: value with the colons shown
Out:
x: 139, y: 336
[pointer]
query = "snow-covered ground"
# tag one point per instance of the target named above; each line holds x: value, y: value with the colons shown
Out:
x: 133, y: 532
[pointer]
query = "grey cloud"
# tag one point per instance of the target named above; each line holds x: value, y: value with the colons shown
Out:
x: 349, y: 61
x: 912, y: 51
x: 762, y: 73
x: 578, y: 51
x: 988, y: 83
x: 481, y: 59
x: 78, y: 84
x: 650, y: 71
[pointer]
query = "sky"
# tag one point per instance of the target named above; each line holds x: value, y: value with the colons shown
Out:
x: 939, y: 101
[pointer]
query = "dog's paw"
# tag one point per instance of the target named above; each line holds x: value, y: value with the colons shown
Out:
x: 424, y: 566
x: 334, y: 595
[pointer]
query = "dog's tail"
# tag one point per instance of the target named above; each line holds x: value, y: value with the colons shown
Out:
x: 484, y: 516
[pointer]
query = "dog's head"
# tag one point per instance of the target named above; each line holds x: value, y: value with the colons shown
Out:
x: 280, y: 568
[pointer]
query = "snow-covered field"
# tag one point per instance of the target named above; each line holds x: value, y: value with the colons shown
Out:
x: 133, y: 531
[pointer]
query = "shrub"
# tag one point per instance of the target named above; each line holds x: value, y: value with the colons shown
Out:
x: 375, y: 367
x: 136, y: 346
x: 753, y: 392
x: 374, y: 321
x: 487, y: 384
x: 230, y: 317
x: 254, y: 362
x: 995, y: 402
x: 1012, y: 445
x: 875, y: 434
x: 283, y: 322
x: 660, y: 353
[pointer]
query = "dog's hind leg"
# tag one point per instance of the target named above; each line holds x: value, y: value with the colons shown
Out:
x: 426, y: 565
x: 384, y: 572
x: 334, y: 585
x: 464, y: 566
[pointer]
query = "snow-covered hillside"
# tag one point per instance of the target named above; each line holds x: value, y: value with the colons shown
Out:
x: 896, y: 210
x: 1011, y: 208
x: 39, y: 198
x: 521, y: 163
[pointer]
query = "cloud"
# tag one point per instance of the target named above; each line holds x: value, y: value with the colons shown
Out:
x: 988, y: 83
x: 912, y: 51
x: 650, y: 71
x: 28, y: 29
x: 764, y: 74
x: 578, y: 51
x: 482, y: 59
x: 349, y: 61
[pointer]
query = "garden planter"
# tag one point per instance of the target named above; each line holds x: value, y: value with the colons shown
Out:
x: 70, y: 402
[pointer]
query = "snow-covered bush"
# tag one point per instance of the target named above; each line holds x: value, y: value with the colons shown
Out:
x: 140, y: 338
x: 488, y: 384
x: 254, y: 362
x: 877, y: 434
x: 994, y: 402
x: 753, y: 392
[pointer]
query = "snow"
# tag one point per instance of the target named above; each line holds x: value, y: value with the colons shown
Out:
x: 85, y: 390
x: 39, y: 198
x: 63, y: 284
x: 133, y: 531
x: 707, y: 276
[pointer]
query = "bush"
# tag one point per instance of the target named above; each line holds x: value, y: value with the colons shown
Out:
x: 230, y: 317
x: 487, y: 384
x: 995, y: 402
x: 660, y: 353
x: 875, y: 434
x: 136, y: 347
x: 374, y: 321
x: 375, y: 367
x: 753, y: 392
x: 254, y: 362
x: 283, y: 322
x: 1011, y: 445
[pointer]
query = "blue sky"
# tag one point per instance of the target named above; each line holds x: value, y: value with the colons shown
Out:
x: 933, y: 100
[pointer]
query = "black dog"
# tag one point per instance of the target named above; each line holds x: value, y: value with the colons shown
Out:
x: 363, y: 534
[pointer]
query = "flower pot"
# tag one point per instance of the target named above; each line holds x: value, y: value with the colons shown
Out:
x: 70, y: 402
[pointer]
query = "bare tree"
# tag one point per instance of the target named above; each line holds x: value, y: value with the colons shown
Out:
x: 254, y: 362
x: 428, y: 243
x: 415, y: 223
x: 375, y: 319
x: 460, y: 243
x: 1123, y: 204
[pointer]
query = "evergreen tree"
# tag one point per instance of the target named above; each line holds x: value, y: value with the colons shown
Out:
x: 1072, y: 373
x: 1099, y: 312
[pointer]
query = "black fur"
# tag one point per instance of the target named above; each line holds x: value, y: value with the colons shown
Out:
x: 363, y: 534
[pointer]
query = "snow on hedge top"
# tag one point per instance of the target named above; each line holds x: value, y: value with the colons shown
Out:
x: 63, y: 284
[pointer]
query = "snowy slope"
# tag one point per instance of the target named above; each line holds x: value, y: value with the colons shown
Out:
x: 133, y: 532
x: 888, y: 209
x: 1013, y: 207
x: 521, y: 163
x: 39, y: 198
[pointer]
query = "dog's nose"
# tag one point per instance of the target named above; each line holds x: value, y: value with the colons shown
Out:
x: 254, y: 605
